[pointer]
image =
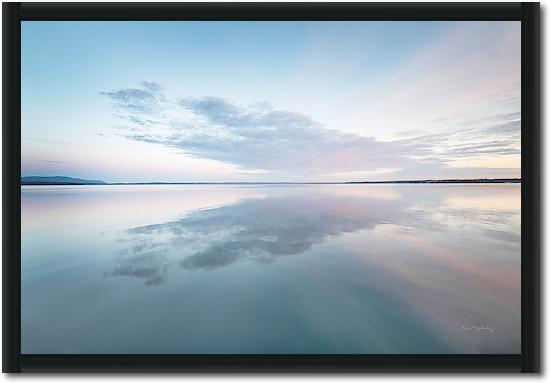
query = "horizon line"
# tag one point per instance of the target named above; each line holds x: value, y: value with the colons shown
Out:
x: 426, y: 180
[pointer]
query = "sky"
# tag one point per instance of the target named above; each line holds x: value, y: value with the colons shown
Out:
x: 227, y: 101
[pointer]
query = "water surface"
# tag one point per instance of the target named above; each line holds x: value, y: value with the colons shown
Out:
x: 250, y: 269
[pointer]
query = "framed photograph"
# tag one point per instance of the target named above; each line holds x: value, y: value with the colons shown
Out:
x: 271, y: 187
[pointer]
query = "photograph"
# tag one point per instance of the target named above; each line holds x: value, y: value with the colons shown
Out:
x: 271, y: 187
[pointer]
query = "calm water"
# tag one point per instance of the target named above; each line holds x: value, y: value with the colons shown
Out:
x: 271, y: 269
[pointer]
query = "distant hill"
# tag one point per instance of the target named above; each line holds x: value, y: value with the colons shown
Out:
x: 58, y: 180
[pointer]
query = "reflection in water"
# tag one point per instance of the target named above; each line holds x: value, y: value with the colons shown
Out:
x: 260, y: 230
x: 150, y: 266
x: 299, y: 269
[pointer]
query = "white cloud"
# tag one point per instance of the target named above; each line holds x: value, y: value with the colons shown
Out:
x: 262, y: 140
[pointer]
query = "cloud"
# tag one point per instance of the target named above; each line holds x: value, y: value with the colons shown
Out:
x: 151, y: 86
x: 461, y: 136
x: 262, y: 138
x: 253, y: 137
x: 137, y: 100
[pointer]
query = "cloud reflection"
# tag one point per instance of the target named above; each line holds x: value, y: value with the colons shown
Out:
x: 262, y: 230
x: 147, y: 265
x: 259, y: 230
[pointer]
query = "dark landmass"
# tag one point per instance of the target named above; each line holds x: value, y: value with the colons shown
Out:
x: 58, y: 180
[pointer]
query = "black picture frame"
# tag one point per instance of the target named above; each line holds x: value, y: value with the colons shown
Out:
x: 528, y: 361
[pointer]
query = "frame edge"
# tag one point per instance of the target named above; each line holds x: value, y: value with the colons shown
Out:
x: 530, y: 193
x: 419, y: 363
x: 11, y: 200
x: 271, y: 11
x: 12, y: 359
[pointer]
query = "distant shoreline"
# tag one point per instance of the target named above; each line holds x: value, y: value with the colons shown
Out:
x: 447, y: 181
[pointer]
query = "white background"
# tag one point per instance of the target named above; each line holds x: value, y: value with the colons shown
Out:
x: 349, y: 377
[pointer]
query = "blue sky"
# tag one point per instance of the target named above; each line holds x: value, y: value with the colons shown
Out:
x: 261, y: 101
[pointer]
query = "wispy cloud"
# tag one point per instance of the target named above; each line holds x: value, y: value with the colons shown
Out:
x: 498, y: 134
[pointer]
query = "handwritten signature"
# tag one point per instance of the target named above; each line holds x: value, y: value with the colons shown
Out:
x: 477, y: 328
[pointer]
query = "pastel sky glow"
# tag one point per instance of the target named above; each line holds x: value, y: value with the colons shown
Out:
x: 271, y: 101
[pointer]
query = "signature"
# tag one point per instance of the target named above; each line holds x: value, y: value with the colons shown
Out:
x: 477, y: 328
